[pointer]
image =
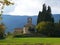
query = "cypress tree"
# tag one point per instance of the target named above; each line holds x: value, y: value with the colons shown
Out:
x: 44, y: 8
x: 39, y: 17
x: 49, y: 16
x: 45, y: 15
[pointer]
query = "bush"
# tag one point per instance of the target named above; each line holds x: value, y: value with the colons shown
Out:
x: 45, y: 28
x: 57, y: 30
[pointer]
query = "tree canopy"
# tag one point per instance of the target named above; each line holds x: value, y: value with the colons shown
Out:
x: 45, y: 15
x: 45, y: 28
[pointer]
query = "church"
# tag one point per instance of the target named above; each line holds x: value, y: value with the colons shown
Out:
x: 28, y: 28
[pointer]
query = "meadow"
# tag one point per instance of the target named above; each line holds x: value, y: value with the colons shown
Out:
x: 30, y: 41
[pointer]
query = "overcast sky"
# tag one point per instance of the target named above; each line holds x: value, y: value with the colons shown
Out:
x: 31, y: 7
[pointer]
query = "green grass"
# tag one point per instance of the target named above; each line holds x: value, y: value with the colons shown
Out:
x: 31, y: 40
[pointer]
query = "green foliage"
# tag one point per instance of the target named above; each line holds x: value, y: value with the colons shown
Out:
x: 49, y: 16
x: 45, y: 15
x: 57, y: 30
x: 39, y: 16
x: 44, y: 8
x: 49, y: 28
x: 32, y: 30
x: 45, y: 28
x: 45, y: 22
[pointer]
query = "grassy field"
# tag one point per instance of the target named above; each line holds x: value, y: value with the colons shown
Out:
x: 30, y: 40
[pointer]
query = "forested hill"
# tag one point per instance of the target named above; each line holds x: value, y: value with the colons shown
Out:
x: 12, y: 22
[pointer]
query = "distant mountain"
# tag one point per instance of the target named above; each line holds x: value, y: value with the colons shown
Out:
x: 12, y: 22
x: 56, y: 17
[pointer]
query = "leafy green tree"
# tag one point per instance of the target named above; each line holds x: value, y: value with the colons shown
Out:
x: 57, y: 29
x: 45, y: 28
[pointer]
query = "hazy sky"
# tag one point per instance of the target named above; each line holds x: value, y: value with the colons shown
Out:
x: 31, y: 7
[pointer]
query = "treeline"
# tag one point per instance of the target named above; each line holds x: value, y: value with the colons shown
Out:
x: 45, y: 23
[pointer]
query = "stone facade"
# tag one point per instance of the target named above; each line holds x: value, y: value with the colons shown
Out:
x: 25, y: 29
x: 28, y: 25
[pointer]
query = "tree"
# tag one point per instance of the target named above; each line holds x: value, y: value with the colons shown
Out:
x: 45, y: 15
x: 2, y: 30
x: 6, y: 2
x: 57, y: 29
x: 31, y: 29
x: 44, y: 8
x: 45, y: 28
x: 39, y: 16
x: 49, y: 16
x: 3, y: 3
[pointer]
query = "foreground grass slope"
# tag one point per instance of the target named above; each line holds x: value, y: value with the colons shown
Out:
x: 30, y: 40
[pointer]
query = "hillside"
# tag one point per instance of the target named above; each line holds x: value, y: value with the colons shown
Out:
x: 12, y: 22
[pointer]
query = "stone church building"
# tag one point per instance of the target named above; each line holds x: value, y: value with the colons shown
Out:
x: 28, y: 28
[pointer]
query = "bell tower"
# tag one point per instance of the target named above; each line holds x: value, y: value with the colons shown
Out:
x: 29, y: 20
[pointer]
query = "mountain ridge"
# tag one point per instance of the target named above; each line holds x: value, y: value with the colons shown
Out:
x: 12, y: 22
